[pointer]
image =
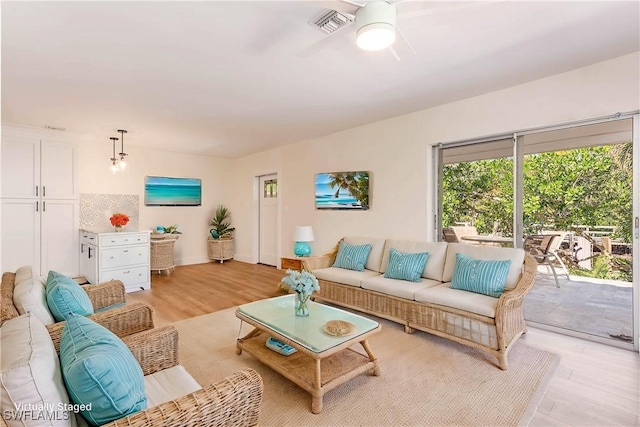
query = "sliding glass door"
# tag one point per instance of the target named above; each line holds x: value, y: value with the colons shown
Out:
x: 578, y: 182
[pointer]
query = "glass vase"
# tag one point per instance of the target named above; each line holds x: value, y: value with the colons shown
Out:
x: 302, y: 304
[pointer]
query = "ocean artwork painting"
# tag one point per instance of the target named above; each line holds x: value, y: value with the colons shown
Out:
x: 342, y: 190
x: 166, y: 191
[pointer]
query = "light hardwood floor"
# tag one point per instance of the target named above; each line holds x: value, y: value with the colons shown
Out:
x: 594, y: 385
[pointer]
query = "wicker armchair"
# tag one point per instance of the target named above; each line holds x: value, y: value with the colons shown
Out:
x: 231, y: 401
x: 122, y: 321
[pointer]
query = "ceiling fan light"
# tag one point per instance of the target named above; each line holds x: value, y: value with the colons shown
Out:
x: 376, y: 36
x: 376, y: 22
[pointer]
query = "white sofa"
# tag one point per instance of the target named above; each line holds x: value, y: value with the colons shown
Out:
x: 473, y: 319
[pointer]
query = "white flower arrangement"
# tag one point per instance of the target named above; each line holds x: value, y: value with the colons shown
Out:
x: 301, y: 282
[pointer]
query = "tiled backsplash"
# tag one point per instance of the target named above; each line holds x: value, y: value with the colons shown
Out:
x: 96, y: 209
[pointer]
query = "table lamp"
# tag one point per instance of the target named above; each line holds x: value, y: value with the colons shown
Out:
x: 302, y: 235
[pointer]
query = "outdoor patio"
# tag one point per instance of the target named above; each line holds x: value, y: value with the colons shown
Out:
x: 591, y: 306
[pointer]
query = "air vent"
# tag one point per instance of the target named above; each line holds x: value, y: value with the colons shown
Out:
x: 331, y: 21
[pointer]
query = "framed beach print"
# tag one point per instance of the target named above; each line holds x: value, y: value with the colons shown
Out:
x: 342, y: 190
x: 166, y: 191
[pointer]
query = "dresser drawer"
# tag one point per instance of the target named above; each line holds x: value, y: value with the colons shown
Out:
x: 88, y: 238
x: 124, y: 256
x: 124, y: 239
x: 130, y: 276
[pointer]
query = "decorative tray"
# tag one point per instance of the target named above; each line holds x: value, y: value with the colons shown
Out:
x: 339, y: 328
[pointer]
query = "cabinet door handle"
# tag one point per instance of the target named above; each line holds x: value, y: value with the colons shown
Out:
x: 81, y: 248
x: 125, y: 251
x: 89, y: 252
x: 126, y: 272
x: 44, y: 206
x: 36, y: 206
x: 36, y: 190
x: 44, y: 191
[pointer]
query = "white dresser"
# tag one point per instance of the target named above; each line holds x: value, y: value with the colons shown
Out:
x: 123, y: 256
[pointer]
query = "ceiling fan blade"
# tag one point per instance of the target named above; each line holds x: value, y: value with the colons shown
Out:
x: 445, y: 8
x: 405, y: 39
x: 393, y: 52
x: 342, y: 6
x: 329, y: 41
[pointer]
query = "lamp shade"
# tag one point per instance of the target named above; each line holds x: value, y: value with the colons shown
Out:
x: 303, y: 233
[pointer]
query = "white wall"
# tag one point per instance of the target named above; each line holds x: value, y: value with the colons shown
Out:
x: 398, y: 153
x: 193, y: 222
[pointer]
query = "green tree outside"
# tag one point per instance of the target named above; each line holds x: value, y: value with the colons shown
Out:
x: 585, y: 186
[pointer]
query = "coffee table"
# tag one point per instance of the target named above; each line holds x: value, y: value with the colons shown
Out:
x: 322, y: 361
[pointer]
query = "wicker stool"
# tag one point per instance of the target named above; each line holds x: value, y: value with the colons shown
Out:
x: 162, y: 255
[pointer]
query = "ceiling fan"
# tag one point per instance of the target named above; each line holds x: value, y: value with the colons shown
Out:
x: 375, y: 21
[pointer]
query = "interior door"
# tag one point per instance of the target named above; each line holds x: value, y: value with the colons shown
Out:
x: 268, y: 235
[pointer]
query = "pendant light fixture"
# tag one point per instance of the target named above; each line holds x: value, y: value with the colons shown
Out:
x: 114, y: 160
x: 122, y: 163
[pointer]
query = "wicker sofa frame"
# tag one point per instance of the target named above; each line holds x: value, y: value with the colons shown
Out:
x: 492, y: 335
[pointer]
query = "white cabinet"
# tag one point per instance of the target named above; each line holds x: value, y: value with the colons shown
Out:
x: 123, y: 256
x: 36, y: 167
x: 39, y: 201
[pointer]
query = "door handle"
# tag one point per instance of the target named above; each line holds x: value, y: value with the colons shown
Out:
x: 36, y: 191
x: 89, y: 252
x: 36, y: 206
x: 81, y: 248
x: 44, y: 191
x: 44, y: 206
x: 637, y: 223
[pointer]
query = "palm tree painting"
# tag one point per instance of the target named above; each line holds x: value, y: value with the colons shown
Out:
x: 342, y: 190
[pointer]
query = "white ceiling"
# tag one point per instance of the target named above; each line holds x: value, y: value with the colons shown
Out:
x: 233, y: 78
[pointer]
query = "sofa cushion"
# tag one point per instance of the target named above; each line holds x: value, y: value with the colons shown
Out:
x: 486, y: 253
x: 352, y: 257
x: 31, y: 375
x: 29, y: 297
x: 168, y: 384
x: 437, y: 255
x: 462, y: 300
x: 25, y: 273
x: 377, y: 248
x: 405, y: 266
x: 483, y: 277
x: 397, y: 288
x: 100, y: 370
x: 343, y: 276
x: 65, y: 297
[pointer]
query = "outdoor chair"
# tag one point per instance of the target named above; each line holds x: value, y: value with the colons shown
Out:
x: 449, y: 235
x: 544, y: 248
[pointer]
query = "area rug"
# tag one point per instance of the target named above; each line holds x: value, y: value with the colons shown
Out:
x: 425, y: 380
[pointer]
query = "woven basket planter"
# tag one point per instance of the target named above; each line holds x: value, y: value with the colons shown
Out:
x: 220, y: 249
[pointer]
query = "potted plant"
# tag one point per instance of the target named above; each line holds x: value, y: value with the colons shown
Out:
x: 221, y: 240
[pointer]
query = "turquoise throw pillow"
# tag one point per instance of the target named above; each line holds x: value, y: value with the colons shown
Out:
x: 52, y: 276
x: 482, y: 277
x: 352, y: 257
x: 65, y: 296
x: 405, y: 266
x: 99, y: 370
